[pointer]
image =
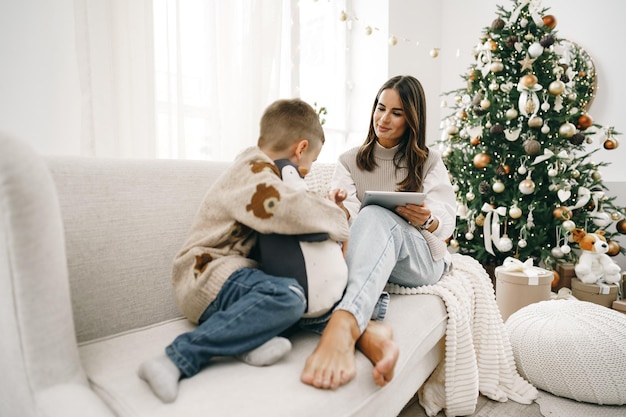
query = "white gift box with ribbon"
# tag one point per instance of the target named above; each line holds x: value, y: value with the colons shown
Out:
x: 519, y: 284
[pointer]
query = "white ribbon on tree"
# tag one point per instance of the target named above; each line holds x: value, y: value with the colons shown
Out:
x: 547, y: 154
x: 584, y: 195
x: 515, y: 265
x: 491, y: 228
x: 533, y: 8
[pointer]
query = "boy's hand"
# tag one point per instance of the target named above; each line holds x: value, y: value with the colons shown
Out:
x: 338, y: 195
x: 344, y: 249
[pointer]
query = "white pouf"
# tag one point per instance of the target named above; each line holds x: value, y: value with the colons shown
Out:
x: 571, y: 348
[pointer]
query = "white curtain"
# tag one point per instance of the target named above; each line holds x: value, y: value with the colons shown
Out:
x: 114, y: 45
x: 218, y: 65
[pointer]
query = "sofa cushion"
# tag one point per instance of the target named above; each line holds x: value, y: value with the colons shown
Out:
x: 124, y: 221
x: 111, y: 363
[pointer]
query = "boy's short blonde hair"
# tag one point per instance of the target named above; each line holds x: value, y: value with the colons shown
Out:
x: 287, y: 121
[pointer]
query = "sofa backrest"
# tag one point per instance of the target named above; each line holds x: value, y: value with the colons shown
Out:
x: 124, y: 221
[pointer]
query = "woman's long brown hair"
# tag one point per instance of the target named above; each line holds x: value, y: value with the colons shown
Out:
x: 412, y: 149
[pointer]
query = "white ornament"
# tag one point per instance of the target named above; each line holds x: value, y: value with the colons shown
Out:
x: 601, y: 219
x: 515, y: 212
x: 498, y: 187
x: 522, y: 243
x: 569, y: 225
x: 566, y: 249
x: 469, y: 236
x: 470, y: 196
x: 505, y: 244
x: 557, y: 252
x: 535, y: 50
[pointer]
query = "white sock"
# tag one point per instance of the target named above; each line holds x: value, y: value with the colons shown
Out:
x: 162, y: 375
x: 268, y: 353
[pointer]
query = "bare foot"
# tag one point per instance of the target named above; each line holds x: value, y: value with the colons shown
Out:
x: 332, y: 362
x: 377, y: 344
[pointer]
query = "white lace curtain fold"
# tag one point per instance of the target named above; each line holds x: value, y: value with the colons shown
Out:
x: 179, y: 78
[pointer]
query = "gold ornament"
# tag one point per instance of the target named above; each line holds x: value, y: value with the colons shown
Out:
x: 511, y: 114
x: 535, y: 121
x: 481, y: 160
x: 496, y: 66
x: 561, y: 213
x: 614, y: 248
x: 611, y: 143
x: 532, y: 147
x: 615, y: 216
x: 556, y: 87
x: 434, y: 53
x: 549, y: 21
x: 567, y: 130
x: 480, y: 220
x: 529, y: 80
x: 620, y: 226
x: 475, y: 140
x: 584, y: 121
x: 343, y: 16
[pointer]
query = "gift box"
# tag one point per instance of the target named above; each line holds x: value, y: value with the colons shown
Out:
x: 620, y: 305
x: 566, y: 273
x: 603, y: 294
x: 518, y: 286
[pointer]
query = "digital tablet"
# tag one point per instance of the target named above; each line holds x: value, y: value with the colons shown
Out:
x: 392, y: 199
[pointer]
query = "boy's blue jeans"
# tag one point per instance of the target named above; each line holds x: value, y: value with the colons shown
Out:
x: 251, y: 308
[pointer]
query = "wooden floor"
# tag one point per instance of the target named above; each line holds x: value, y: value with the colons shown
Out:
x: 484, y: 408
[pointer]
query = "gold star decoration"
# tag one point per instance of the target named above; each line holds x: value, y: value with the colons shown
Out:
x: 527, y: 62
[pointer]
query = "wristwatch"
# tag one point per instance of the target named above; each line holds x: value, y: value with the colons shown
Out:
x: 429, y: 222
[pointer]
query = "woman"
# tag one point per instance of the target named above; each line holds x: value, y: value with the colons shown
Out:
x: 405, y: 247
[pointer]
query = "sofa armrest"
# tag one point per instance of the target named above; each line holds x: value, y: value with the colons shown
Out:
x: 38, y: 350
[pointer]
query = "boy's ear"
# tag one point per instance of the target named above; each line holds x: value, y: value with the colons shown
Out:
x: 301, y: 146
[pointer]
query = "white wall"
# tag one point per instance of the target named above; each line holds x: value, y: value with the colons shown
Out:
x: 39, y: 85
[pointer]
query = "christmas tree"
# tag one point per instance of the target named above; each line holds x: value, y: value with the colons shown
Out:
x: 515, y: 145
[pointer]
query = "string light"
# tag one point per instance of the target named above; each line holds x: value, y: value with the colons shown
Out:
x: 393, y: 38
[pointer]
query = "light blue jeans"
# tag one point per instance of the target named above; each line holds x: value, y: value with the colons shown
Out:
x: 383, y: 248
x: 251, y: 308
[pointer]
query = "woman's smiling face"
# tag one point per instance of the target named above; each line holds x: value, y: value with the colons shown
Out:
x: 388, y: 118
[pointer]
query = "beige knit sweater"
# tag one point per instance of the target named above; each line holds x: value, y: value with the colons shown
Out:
x: 248, y: 198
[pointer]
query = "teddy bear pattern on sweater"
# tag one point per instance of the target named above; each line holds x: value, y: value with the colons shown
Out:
x: 594, y: 264
x: 314, y: 260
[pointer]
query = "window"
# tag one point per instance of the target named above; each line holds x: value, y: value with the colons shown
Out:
x: 218, y: 64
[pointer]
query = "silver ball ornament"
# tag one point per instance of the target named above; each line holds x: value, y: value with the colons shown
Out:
x: 498, y: 187
x: 557, y: 252
x: 505, y: 244
x: 527, y: 186
x: 515, y: 212
x: 568, y: 225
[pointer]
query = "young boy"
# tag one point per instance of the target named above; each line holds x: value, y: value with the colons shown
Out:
x: 240, y: 310
x: 314, y: 260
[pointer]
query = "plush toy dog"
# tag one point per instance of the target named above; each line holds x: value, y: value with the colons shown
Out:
x: 594, y: 264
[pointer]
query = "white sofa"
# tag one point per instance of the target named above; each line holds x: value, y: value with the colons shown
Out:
x: 85, y: 295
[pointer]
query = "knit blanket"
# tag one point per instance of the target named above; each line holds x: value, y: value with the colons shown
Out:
x: 478, y: 355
